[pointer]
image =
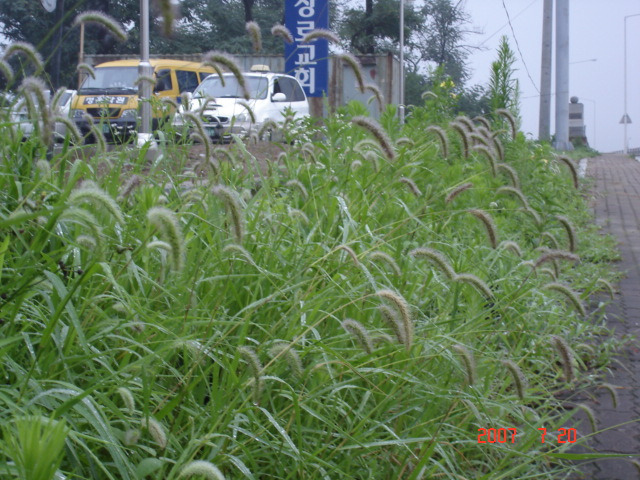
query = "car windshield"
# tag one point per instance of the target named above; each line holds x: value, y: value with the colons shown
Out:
x: 212, y: 87
x: 111, y: 78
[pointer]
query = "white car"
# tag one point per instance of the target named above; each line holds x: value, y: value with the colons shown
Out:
x: 220, y: 104
x: 24, y: 124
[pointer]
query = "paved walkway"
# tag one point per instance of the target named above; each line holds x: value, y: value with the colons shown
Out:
x: 617, y: 211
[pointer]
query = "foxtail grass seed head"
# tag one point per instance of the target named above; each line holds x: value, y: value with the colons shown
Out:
x: 43, y: 168
x: 466, y: 122
x: 71, y: 128
x: 519, y: 380
x: 168, y: 226
x: 548, y: 271
x: 25, y: 49
x: 405, y: 141
x: 321, y: 33
x: 378, y: 133
x: 87, y: 241
x: 169, y: 11
x: 482, y: 121
x: 442, y: 136
x: 464, y: 137
x: 413, y: 188
x: 129, y: 186
x: 351, y: 253
x: 552, y: 255
x: 127, y: 399
x: 6, y: 70
x: 511, y: 119
x: 102, y: 19
x: 297, y: 185
x: 219, y: 58
x: 511, y: 173
x: 436, y: 258
x: 607, y: 286
x: 613, y: 391
x: 250, y: 356
x: 591, y: 416
x: 490, y: 156
x: 239, y: 249
x: 457, y: 191
x: 515, y: 192
x: 479, y: 139
x: 566, y: 357
x: 267, y: 128
x: 356, y: 164
x: 510, y: 245
x: 86, y: 69
x: 489, y: 224
x: 96, y: 132
x: 159, y: 245
x: 234, y: 207
x: 282, y: 32
x: 131, y: 437
x: 469, y: 363
x: 572, y: 168
x: 97, y: 197
x: 299, y: 214
x: 156, y: 431
x: 354, y: 63
x: 377, y: 94
x: 403, y: 309
x: 360, y: 333
x: 201, y: 468
x: 255, y: 35
x: 291, y: 356
x: 475, y: 282
x: 393, y: 321
x: 572, y: 296
x: 34, y: 87
x: 378, y: 256
x: 571, y: 233
x: 497, y: 144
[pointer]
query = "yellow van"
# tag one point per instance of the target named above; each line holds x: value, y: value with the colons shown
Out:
x: 111, y: 98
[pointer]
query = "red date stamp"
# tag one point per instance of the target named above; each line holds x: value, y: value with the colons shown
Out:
x: 508, y: 435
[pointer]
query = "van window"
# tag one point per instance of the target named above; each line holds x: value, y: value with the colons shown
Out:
x: 187, y: 81
x: 163, y: 81
x: 116, y: 78
x: 290, y: 87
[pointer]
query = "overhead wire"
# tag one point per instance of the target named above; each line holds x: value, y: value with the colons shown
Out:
x: 515, y: 38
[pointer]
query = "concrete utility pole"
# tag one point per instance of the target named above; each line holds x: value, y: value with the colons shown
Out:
x: 145, y: 70
x: 562, y: 76
x: 401, y: 106
x: 544, y: 124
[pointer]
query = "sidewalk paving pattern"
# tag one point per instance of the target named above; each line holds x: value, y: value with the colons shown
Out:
x: 617, y: 211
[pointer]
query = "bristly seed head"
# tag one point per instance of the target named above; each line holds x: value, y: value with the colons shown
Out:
x: 255, y: 34
x: 469, y: 363
x: 490, y: 226
x: 360, y: 333
x: 379, y: 134
x: 282, y: 32
x: 156, y: 431
x: 566, y: 357
x: 405, y: 313
x: 457, y: 191
x: 436, y: 258
x: 168, y: 226
x: 104, y: 20
x: 201, y: 468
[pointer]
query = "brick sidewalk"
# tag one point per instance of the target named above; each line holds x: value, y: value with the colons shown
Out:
x: 617, y: 211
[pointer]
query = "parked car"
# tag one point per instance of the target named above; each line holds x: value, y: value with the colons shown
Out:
x: 219, y: 102
x: 21, y: 122
x: 111, y: 98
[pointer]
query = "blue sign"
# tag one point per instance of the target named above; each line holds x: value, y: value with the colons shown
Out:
x: 308, y: 62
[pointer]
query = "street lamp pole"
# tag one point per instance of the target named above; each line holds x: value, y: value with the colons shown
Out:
x: 401, y: 100
x: 625, y: 118
x: 144, y: 70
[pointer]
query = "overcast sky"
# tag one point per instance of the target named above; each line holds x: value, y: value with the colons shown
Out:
x: 596, y: 32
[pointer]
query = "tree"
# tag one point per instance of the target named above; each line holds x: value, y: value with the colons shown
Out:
x: 441, y: 40
x: 377, y: 28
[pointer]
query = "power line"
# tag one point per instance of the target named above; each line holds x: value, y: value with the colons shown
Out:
x: 518, y: 47
x: 502, y: 27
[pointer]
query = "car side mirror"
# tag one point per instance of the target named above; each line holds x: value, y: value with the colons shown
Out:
x: 278, y: 97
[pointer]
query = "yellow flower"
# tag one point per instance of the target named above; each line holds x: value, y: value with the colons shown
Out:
x: 545, y: 161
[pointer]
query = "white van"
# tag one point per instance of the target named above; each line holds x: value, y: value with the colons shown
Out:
x: 220, y: 103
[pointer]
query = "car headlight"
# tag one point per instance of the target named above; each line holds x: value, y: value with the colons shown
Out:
x: 241, y: 118
x: 130, y: 113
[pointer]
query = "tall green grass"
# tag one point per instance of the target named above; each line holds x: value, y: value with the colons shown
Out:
x: 333, y: 313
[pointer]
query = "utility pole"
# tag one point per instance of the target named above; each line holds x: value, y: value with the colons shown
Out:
x: 562, y: 76
x: 544, y: 124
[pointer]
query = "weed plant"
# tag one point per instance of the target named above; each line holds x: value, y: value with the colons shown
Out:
x: 337, y: 313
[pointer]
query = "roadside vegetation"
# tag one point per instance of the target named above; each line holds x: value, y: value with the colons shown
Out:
x: 358, y: 308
